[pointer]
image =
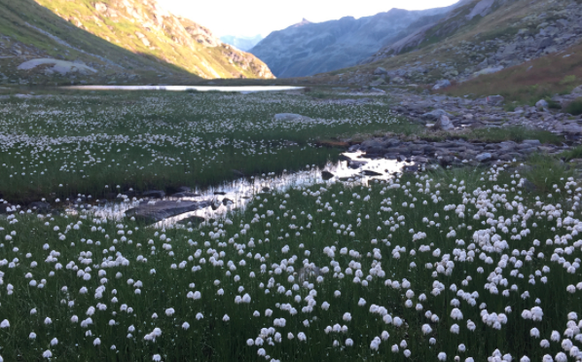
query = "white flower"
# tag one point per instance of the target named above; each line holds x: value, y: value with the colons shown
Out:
x: 456, y: 314
x: 301, y: 336
x: 47, y: 354
x: 156, y: 358
x: 442, y: 356
x: 32, y: 335
x: 4, y: 324
x: 347, y: 317
x: 185, y: 325
x: 426, y: 329
x: 534, y: 332
x: 97, y: 342
x: 54, y: 342
x: 349, y: 342
x: 170, y: 312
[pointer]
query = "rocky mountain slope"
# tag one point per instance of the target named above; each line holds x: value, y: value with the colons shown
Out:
x: 243, y: 43
x: 117, y: 41
x: 481, y: 37
x: 308, y: 48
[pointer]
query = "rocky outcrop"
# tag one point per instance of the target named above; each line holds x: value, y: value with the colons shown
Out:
x: 541, y: 28
x: 309, y: 48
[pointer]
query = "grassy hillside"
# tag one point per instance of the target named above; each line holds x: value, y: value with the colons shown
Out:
x: 529, y: 82
x: 128, y: 42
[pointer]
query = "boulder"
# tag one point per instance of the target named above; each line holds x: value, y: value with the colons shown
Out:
x: 443, y: 83
x: 380, y: 71
x: 435, y: 115
x: 483, y: 156
x: 495, y: 100
x: 398, y: 80
x: 377, y: 82
x: 444, y: 123
x: 541, y: 104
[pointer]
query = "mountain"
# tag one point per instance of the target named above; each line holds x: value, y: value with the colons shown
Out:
x: 121, y: 41
x: 478, y: 38
x: 308, y: 48
x: 242, y: 43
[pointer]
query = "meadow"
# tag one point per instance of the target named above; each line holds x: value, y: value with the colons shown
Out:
x: 60, y: 146
x: 469, y: 264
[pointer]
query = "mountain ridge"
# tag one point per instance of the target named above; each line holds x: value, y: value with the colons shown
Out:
x: 309, y: 48
x: 123, y: 40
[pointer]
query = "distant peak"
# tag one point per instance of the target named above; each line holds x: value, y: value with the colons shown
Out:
x: 302, y: 22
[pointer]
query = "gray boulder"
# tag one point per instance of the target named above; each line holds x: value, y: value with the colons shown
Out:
x: 380, y: 71
x: 444, y: 123
x: 443, y: 83
x: 495, y: 100
x: 483, y: 156
x: 541, y: 104
x: 435, y: 115
x: 377, y: 82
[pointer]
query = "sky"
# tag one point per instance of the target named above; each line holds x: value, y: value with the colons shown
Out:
x: 252, y: 17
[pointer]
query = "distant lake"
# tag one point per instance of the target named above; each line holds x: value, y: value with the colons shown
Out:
x: 183, y: 88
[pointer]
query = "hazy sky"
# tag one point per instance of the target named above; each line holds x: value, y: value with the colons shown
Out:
x: 251, y: 17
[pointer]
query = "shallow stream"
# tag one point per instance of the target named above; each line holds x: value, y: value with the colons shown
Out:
x: 217, y: 201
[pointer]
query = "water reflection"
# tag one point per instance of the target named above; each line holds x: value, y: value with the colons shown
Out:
x: 352, y: 169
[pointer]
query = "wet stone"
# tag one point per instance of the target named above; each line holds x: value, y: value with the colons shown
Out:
x: 371, y: 173
x: 152, y: 212
x: 155, y: 194
x: 326, y: 175
x: 40, y: 206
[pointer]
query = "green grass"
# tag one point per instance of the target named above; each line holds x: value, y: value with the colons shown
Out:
x: 494, y: 135
x: 529, y: 82
x: 374, y: 233
x: 574, y: 107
